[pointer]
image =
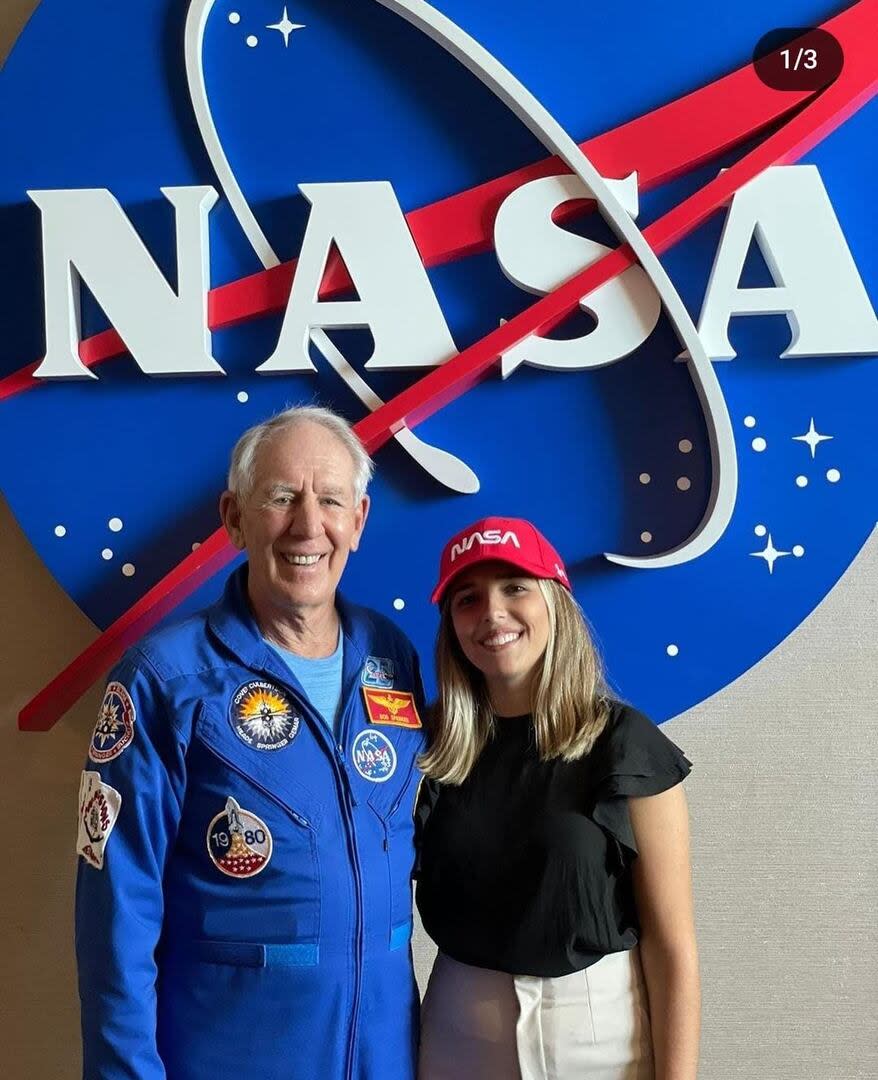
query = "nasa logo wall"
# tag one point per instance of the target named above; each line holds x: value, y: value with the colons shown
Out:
x: 611, y: 281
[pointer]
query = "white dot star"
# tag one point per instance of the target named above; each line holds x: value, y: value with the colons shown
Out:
x: 770, y: 554
x: 285, y: 27
x: 812, y: 437
x: 398, y: 604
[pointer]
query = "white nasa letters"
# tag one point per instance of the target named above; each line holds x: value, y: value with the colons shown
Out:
x: 486, y: 538
x: 537, y: 255
x: 817, y: 286
x: 87, y: 237
x: 396, y: 301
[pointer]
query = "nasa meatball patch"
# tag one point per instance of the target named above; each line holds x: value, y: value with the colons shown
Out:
x: 374, y: 756
x: 114, y: 730
x: 99, y: 806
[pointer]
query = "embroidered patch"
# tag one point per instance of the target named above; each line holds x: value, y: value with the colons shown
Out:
x: 114, y: 730
x: 394, y: 707
x: 263, y: 716
x: 99, y: 806
x: 374, y: 756
x: 238, y: 842
x: 378, y: 671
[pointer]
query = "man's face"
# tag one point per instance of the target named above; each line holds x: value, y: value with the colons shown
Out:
x: 299, y: 522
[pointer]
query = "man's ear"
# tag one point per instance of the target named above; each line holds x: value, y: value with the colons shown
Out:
x: 230, y: 512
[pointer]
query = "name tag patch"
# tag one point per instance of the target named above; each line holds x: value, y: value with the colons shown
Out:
x: 114, y: 730
x: 263, y: 716
x: 374, y: 756
x: 378, y: 671
x: 393, y: 707
x: 99, y: 806
x: 238, y: 842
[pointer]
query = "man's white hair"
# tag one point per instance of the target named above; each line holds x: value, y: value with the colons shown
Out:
x: 241, y: 469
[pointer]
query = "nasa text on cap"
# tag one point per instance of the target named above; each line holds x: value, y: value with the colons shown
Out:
x: 511, y: 540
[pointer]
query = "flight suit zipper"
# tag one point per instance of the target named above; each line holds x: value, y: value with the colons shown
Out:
x: 294, y: 814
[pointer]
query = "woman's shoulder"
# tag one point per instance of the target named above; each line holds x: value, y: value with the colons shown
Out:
x: 632, y: 745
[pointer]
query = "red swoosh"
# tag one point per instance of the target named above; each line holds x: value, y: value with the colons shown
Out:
x: 857, y: 85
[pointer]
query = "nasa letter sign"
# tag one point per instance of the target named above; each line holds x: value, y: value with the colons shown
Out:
x: 597, y: 271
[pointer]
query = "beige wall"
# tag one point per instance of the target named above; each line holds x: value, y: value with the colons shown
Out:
x: 783, y: 803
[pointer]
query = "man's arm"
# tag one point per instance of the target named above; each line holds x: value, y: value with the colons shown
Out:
x: 131, y: 796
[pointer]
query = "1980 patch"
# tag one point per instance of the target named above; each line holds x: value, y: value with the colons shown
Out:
x: 374, y: 756
x: 263, y: 716
x: 238, y: 842
x: 114, y: 730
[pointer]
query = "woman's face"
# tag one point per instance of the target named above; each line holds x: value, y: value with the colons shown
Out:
x: 502, y: 623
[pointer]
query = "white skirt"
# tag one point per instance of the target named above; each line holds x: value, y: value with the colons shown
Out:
x: 593, y: 1024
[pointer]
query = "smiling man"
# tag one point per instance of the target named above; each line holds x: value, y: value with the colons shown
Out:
x: 243, y: 899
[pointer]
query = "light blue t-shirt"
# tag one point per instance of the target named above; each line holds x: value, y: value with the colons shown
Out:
x: 320, y: 678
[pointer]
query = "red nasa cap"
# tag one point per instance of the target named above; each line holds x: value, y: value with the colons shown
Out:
x: 509, y: 540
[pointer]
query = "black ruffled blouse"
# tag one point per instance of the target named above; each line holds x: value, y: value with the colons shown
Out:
x: 526, y: 866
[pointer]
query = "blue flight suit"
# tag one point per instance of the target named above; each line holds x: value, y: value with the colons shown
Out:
x: 243, y: 904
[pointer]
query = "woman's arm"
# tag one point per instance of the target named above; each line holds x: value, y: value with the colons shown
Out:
x: 663, y: 891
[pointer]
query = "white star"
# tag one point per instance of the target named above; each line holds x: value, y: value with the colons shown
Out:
x: 812, y: 437
x: 285, y: 27
x: 770, y: 554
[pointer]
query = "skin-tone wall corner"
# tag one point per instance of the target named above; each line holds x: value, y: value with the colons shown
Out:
x: 782, y: 796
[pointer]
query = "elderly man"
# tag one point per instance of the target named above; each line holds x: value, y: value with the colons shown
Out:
x: 243, y: 901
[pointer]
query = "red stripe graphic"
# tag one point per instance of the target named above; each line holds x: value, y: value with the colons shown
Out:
x: 857, y: 84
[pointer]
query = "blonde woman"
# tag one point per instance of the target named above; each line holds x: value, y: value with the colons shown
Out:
x: 554, y: 865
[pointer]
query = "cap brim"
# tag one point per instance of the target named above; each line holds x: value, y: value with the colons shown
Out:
x: 527, y: 571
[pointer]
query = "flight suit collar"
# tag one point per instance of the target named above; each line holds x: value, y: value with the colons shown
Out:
x: 231, y: 620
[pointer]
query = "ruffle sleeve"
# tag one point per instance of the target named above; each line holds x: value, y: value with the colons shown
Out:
x: 634, y: 757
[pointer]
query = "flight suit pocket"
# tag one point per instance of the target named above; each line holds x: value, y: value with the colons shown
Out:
x: 255, y: 854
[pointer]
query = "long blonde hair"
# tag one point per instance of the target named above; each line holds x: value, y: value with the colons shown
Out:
x: 569, y: 698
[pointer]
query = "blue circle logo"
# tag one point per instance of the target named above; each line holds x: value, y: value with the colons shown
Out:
x: 374, y: 756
